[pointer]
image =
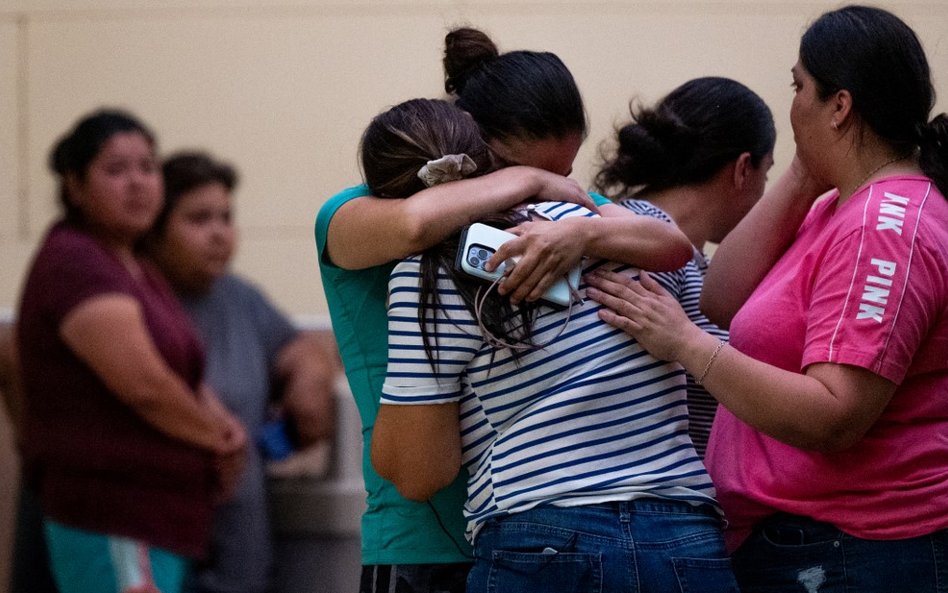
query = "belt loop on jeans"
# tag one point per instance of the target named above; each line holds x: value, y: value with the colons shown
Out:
x: 625, y: 512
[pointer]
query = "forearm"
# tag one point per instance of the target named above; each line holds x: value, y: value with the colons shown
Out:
x: 645, y: 242
x: 754, y: 246
x: 172, y: 409
x: 307, y: 369
x: 793, y: 408
x: 371, y: 231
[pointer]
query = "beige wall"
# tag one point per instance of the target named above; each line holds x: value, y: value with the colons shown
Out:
x: 283, y: 88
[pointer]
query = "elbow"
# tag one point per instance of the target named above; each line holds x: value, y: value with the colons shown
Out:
x: 831, y: 438
x: 418, y: 486
x: 837, y: 441
x: 681, y: 252
x: 418, y: 491
x: 418, y: 483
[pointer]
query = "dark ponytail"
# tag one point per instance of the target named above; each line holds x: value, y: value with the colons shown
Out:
x: 688, y: 137
x: 933, y: 151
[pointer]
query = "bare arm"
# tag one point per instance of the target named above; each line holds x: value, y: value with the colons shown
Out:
x: 548, y: 250
x: 109, y: 334
x: 756, y: 243
x: 370, y: 231
x: 417, y: 448
x: 307, y: 367
x: 828, y: 408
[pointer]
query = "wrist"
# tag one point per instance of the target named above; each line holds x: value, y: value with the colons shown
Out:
x: 700, y: 349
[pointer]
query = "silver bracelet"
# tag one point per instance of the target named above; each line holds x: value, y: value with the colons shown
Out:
x: 707, y: 367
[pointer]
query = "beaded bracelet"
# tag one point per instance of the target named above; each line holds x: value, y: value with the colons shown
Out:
x: 707, y: 367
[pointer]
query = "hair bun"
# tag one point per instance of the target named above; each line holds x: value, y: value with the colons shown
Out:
x: 464, y: 50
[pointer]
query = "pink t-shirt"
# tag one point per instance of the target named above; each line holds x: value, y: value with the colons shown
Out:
x: 867, y: 286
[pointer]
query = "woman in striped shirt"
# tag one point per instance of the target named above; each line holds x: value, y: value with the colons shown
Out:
x: 581, y: 472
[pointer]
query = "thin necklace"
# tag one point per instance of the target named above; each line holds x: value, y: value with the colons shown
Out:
x: 894, y: 159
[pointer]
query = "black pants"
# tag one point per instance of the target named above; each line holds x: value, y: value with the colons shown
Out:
x: 414, y: 578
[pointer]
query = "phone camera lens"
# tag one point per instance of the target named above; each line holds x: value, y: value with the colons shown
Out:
x: 474, y: 261
x: 483, y: 254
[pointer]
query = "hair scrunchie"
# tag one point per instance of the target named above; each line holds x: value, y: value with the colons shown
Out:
x: 450, y: 167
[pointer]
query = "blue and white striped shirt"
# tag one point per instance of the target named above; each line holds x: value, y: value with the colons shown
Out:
x: 588, y: 418
x: 701, y: 405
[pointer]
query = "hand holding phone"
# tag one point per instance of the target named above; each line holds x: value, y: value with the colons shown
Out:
x: 480, y: 241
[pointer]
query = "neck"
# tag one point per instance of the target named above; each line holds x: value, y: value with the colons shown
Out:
x: 689, y: 207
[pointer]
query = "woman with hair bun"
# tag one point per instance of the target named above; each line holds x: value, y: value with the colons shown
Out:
x: 829, y: 451
x: 580, y: 470
x: 699, y: 157
x: 126, y: 446
x: 360, y: 238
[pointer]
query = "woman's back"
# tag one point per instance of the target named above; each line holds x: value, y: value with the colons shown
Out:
x: 587, y: 417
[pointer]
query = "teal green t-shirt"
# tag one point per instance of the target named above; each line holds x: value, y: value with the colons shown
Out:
x: 394, y: 530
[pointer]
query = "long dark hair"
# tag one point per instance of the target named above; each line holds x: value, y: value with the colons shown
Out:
x: 521, y: 94
x: 687, y: 137
x: 75, y: 151
x: 394, y: 147
x: 879, y: 59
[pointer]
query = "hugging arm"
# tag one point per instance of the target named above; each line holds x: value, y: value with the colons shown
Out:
x: 548, y: 250
x: 370, y: 231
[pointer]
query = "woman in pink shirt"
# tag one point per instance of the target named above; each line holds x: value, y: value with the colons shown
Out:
x: 831, y: 449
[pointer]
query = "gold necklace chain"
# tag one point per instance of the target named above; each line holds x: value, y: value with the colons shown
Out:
x: 879, y: 168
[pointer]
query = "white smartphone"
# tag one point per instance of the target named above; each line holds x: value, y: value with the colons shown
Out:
x: 480, y: 241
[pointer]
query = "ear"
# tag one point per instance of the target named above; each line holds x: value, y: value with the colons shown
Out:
x: 841, y: 103
x: 73, y: 189
x: 742, y: 169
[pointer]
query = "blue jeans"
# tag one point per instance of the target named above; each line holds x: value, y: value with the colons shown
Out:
x: 792, y: 554
x: 625, y: 547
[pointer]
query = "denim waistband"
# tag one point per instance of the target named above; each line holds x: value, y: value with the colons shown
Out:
x: 657, y: 505
x: 789, y: 529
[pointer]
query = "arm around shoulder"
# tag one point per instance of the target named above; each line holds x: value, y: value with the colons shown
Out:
x: 369, y: 231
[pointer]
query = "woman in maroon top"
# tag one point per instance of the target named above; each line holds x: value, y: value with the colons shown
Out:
x: 125, y: 445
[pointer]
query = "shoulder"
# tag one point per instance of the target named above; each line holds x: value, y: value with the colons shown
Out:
x: 645, y: 209
x: 560, y: 210
x: 896, y: 210
x: 65, y: 240
x: 325, y: 214
x: 329, y: 208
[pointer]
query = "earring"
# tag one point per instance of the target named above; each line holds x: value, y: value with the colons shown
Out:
x: 835, y: 125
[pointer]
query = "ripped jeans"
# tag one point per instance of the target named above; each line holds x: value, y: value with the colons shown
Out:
x: 793, y: 554
x: 640, y: 546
